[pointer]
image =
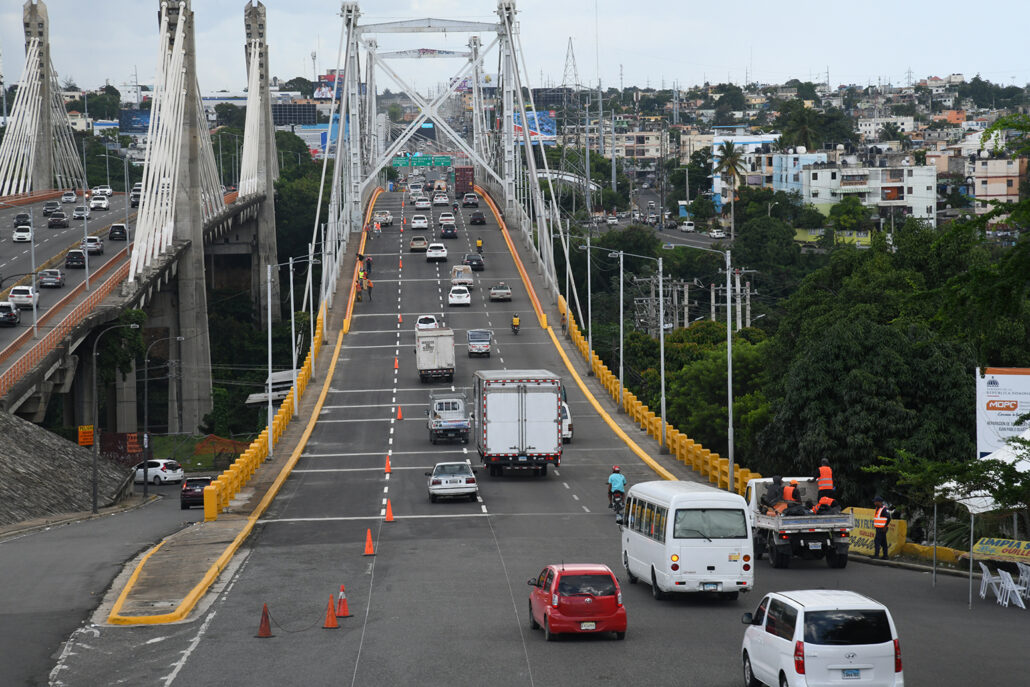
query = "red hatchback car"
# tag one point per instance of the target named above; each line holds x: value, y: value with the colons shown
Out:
x: 582, y: 598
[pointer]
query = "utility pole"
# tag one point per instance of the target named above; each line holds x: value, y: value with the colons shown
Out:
x: 747, y: 304
x: 590, y: 207
x: 736, y: 275
x: 600, y: 121
x: 613, y: 149
x: 712, y: 300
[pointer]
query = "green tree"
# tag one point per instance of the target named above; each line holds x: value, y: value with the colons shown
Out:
x: 731, y: 167
x: 849, y: 215
x: 395, y: 112
x: 306, y: 87
x: 227, y: 114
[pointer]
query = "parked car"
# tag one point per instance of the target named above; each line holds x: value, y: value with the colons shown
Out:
x: 611, y: 220
x: 418, y: 244
x: 50, y: 207
x: 69, y: 197
x: 192, y: 493
x: 459, y: 295
x: 93, y: 245
x: 58, y: 220
x: 22, y: 219
x: 419, y: 222
x: 477, y: 217
x: 25, y: 297
x: 80, y: 212
x: 118, y: 233
x: 475, y: 261
x: 821, y: 637
x: 436, y: 252
x: 22, y: 235
x: 470, y: 200
x: 75, y: 259
x: 500, y: 292
x: 10, y: 315
x: 159, y: 471
x: 452, y: 480
x: 51, y: 279
x: 717, y: 234
x: 576, y: 598
x: 99, y: 203
x: 426, y: 322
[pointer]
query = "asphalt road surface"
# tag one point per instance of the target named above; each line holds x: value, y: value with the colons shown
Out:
x: 54, y: 578
x: 444, y: 599
x: 16, y: 258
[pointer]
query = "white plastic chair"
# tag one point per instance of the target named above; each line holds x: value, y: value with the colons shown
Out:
x: 989, y: 581
x: 1010, y: 591
x: 1024, y: 577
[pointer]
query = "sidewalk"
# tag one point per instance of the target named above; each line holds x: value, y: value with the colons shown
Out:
x: 175, y: 575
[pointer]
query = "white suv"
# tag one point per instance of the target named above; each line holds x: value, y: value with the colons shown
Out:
x: 818, y: 637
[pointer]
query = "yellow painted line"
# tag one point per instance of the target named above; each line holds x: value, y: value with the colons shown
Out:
x: 619, y: 432
x: 361, y: 249
x: 193, y: 597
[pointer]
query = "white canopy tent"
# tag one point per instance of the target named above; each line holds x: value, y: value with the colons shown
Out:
x: 977, y: 502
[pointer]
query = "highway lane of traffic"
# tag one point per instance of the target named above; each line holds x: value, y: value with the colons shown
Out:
x: 443, y: 601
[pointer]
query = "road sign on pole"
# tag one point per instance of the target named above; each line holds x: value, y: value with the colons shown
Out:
x: 85, y: 435
x: 442, y: 161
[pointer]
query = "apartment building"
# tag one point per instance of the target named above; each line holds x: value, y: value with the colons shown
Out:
x: 787, y: 169
x: 893, y: 189
x: 997, y: 180
x: 757, y: 154
x: 870, y: 127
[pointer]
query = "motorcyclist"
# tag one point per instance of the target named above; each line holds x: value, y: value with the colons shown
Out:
x: 515, y: 322
x: 455, y: 208
x: 616, y: 483
x: 479, y: 244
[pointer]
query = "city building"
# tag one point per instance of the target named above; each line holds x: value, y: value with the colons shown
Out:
x: 997, y: 180
x: 787, y: 169
x: 893, y: 188
x: 757, y: 154
x: 870, y: 127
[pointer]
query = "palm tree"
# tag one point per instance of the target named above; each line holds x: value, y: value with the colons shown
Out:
x: 802, y: 128
x: 731, y: 166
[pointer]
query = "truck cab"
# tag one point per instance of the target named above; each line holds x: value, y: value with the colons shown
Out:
x: 448, y: 417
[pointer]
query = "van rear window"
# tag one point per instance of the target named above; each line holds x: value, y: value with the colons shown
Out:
x: 847, y: 627
x: 710, y: 523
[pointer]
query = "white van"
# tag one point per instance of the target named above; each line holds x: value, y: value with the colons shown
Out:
x: 818, y: 637
x: 687, y: 537
x: 566, y: 422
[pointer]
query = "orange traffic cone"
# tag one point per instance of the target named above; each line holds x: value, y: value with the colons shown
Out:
x: 341, y: 605
x: 369, y: 549
x: 389, y: 511
x: 400, y: 415
x: 396, y: 364
x: 399, y: 318
x: 400, y: 263
x: 388, y: 470
x: 330, y: 617
x: 265, y: 628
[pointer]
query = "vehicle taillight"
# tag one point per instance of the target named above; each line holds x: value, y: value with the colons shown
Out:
x: 747, y: 566
x: 747, y: 558
x: 784, y: 535
x: 470, y: 480
x: 674, y: 567
x: 897, y: 656
x: 436, y: 481
x: 554, y: 600
x: 164, y: 468
x: 618, y: 600
x: 799, y: 658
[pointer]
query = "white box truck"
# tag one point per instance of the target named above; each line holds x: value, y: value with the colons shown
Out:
x: 434, y: 354
x: 518, y: 419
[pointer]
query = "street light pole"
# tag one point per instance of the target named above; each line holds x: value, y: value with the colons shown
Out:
x: 729, y: 374
x: 590, y: 300
x: 146, y: 407
x: 96, y: 420
x: 664, y: 448
x: 622, y: 325
x: 271, y: 444
x: 293, y: 342
x: 35, y: 281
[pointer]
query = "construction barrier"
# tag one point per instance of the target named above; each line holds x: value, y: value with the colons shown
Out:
x: 709, y: 465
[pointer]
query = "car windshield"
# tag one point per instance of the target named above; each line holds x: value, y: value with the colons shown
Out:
x: 454, y: 469
x: 844, y: 626
x: 710, y: 523
x: 600, y: 584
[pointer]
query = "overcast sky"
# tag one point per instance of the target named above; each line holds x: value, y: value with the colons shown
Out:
x: 654, y: 42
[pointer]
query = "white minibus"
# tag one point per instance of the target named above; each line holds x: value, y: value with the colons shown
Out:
x: 687, y: 537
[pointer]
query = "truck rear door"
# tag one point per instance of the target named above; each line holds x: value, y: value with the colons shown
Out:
x: 502, y: 419
x: 542, y: 431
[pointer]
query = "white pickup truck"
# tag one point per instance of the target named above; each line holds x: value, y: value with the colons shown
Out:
x: 808, y: 536
x: 461, y: 275
x: 384, y: 218
x: 448, y: 416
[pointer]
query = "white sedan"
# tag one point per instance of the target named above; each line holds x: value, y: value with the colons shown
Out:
x: 419, y: 222
x: 447, y: 218
x: 441, y: 199
x: 22, y: 234
x: 426, y: 322
x: 459, y: 295
x: 436, y: 251
x: 452, y: 480
x: 422, y: 203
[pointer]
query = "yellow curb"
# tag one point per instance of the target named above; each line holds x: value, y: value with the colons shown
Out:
x: 619, y: 432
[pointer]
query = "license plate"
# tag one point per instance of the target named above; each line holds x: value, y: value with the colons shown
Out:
x: 850, y: 674
x: 593, y: 626
x: 522, y: 459
x: 815, y: 545
x: 709, y: 587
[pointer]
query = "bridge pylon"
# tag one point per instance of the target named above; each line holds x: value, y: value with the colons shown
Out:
x: 38, y: 151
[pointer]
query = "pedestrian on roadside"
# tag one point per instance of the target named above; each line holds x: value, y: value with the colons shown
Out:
x: 368, y: 265
x: 881, y: 521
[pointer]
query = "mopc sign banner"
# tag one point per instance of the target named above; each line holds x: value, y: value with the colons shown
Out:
x: 1002, y: 395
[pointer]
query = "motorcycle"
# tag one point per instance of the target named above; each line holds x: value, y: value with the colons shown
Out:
x: 618, y: 501
x: 455, y: 208
x: 479, y: 248
x: 515, y: 329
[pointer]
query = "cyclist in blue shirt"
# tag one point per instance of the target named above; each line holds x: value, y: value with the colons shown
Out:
x: 616, y: 482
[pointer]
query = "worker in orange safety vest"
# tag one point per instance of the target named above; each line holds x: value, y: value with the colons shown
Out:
x: 827, y: 504
x: 790, y: 492
x: 824, y: 478
x: 881, y: 521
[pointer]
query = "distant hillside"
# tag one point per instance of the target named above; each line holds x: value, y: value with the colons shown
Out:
x: 43, y: 475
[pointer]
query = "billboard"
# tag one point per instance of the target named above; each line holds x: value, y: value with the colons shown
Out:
x: 133, y: 121
x: 542, y: 127
x: 1002, y: 395
x: 465, y: 85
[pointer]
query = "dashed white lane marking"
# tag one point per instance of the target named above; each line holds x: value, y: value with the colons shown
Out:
x: 484, y: 508
x: 384, y: 502
x: 386, y: 489
x: 575, y: 498
x: 387, y: 476
x: 566, y: 485
x: 586, y: 509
